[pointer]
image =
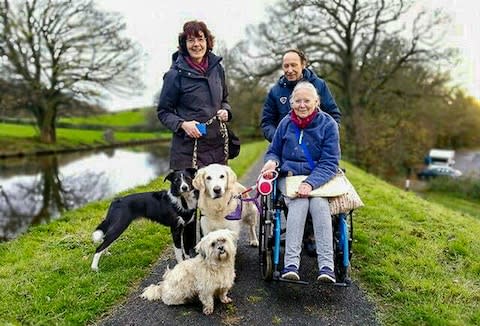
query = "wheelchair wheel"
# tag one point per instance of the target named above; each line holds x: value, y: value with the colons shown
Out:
x: 342, y: 263
x: 267, y: 265
x: 265, y: 239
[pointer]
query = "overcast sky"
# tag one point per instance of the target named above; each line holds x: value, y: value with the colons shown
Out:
x: 155, y: 26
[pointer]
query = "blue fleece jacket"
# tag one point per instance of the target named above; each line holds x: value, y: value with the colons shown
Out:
x: 322, y: 140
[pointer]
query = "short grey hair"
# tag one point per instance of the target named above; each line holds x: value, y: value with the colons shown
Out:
x: 304, y: 85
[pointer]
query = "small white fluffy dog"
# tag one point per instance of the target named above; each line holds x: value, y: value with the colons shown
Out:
x: 218, y: 186
x: 211, y: 273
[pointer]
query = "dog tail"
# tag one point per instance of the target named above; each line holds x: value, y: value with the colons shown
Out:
x: 152, y: 292
x: 102, y: 228
x: 97, y: 236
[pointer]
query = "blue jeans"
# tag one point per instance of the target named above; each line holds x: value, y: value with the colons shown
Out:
x: 298, y: 209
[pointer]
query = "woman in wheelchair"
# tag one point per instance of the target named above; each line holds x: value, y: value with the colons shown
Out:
x: 306, y: 142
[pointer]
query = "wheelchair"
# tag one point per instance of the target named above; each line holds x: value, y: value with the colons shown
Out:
x: 272, y: 205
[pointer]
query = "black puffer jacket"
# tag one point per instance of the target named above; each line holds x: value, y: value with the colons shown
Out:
x: 188, y: 95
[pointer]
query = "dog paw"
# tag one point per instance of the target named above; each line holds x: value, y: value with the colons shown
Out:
x: 151, y: 292
x: 208, y: 310
x: 254, y: 243
x: 226, y: 299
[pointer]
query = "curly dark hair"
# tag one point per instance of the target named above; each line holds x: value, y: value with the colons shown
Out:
x: 192, y: 29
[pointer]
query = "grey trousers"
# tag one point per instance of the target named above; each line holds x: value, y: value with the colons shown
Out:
x: 298, y: 209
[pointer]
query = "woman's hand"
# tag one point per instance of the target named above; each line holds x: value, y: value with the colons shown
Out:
x: 269, y: 166
x: 304, y: 189
x: 222, y: 115
x: 190, y: 128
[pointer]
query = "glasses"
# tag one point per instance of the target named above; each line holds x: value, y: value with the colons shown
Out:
x: 193, y: 40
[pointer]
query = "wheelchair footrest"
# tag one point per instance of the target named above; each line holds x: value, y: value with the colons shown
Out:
x: 347, y: 282
x: 292, y: 281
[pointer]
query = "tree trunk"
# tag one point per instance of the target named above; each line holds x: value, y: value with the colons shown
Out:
x: 46, y: 124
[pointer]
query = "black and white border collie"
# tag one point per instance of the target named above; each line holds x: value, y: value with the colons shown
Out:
x: 174, y: 208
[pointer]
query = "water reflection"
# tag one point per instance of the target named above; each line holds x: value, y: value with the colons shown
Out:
x: 36, y: 190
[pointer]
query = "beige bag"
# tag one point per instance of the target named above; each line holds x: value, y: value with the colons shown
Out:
x: 342, y: 196
x: 337, y: 186
x: 346, y: 202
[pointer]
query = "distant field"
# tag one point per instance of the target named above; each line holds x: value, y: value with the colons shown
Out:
x: 24, y: 138
x: 115, y: 119
x: 75, y: 135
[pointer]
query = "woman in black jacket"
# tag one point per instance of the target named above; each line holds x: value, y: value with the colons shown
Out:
x: 194, y: 94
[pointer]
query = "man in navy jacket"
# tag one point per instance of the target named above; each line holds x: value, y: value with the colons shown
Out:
x: 277, y: 104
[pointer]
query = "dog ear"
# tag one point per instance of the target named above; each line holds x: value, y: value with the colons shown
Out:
x: 198, y: 182
x: 191, y: 171
x: 232, y: 177
x: 169, y: 176
x: 199, y: 248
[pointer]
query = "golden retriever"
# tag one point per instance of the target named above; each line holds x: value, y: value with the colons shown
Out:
x: 218, y: 191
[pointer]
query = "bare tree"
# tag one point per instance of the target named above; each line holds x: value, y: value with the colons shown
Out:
x: 62, y: 49
x: 357, y: 45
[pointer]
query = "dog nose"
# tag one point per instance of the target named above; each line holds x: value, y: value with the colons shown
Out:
x: 217, y: 189
x: 221, y: 248
x: 184, y: 188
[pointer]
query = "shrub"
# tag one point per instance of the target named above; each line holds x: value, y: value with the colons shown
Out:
x: 465, y: 187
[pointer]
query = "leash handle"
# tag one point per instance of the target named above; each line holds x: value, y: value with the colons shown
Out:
x: 265, y: 181
x: 273, y: 175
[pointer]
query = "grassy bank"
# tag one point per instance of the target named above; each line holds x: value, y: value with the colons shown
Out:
x: 454, y: 202
x: 15, y: 137
x: 418, y: 261
x: 125, y: 118
x: 45, y: 275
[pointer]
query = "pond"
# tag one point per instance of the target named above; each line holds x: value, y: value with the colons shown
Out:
x: 38, y: 189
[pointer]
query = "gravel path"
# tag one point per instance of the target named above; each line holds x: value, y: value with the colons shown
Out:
x: 255, y: 302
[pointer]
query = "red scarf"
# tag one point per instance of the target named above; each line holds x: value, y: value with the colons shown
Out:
x: 200, y: 67
x: 302, y: 122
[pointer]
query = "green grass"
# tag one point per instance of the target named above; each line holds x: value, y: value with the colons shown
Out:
x: 453, y: 202
x: 17, y: 131
x: 417, y: 260
x: 25, y: 137
x: 45, y: 275
x: 117, y: 119
x: 467, y: 187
